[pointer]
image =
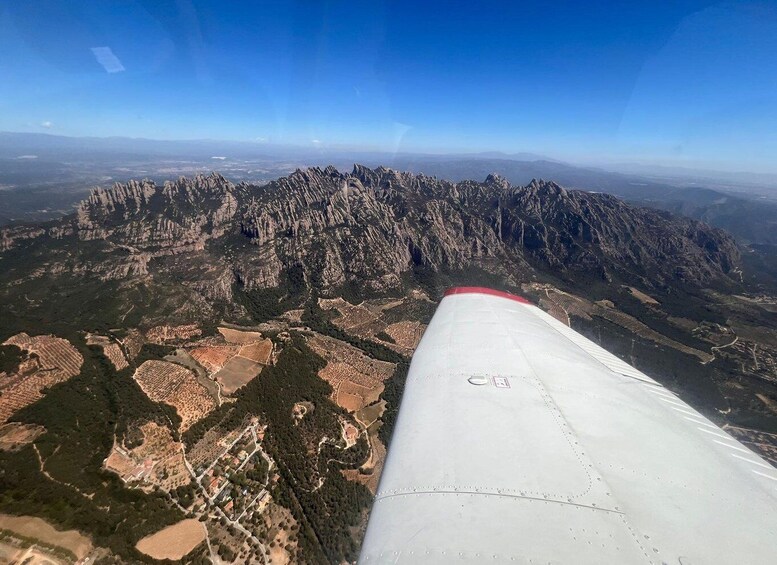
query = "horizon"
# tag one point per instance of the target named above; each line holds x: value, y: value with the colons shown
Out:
x: 633, y: 167
x: 665, y: 86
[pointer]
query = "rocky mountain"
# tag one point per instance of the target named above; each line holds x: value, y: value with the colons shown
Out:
x: 373, y: 228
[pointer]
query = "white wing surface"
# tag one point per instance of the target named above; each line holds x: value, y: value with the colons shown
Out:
x: 520, y: 441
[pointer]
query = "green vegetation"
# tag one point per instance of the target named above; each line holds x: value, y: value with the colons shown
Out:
x: 392, y: 394
x: 10, y: 357
x: 383, y: 336
x: 264, y: 304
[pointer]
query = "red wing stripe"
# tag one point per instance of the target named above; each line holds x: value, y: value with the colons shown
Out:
x: 484, y: 290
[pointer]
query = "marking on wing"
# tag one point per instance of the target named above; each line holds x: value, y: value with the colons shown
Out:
x: 662, y: 393
x: 764, y: 475
x: 731, y: 446
x: 595, y: 351
x: 713, y: 434
x: 722, y: 436
x: 712, y: 426
x: 684, y: 411
x: 752, y: 462
x: 675, y: 403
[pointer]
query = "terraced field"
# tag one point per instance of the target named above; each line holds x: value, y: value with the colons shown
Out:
x: 177, y: 386
x: 376, y: 320
x: 356, y: 379
x: 51, y: 360
x: 111, y: 350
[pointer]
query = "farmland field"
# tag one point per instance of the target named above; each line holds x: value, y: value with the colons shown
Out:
x: 173, y: 542
x: 177, y: 386
x: 36, y: 528
x: 52, y: 360
x: 240, y: 337
x: 237, y: 373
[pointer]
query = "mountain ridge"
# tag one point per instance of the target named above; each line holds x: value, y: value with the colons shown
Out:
x: 374, y: 226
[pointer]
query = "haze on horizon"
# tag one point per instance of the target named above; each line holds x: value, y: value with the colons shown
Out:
x: 690, y: 83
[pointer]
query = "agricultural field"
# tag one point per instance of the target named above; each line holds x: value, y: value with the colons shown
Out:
x: 236, y: 363
x: 173, y: 542
x: 111, y: 350
x: 406, y: 335
x: 368, y: 419
x: 356, y: 379
x: 133, y: 343
x: 210, y: 447
x: 239, y: 337
x: 177, y: 386
x: 35, y: 529
x: 213, y: 358
x: 237, y: 373
x: 50, y: 360
x: 157, y: 461
x: 259, y: 352
x: 389, y: 322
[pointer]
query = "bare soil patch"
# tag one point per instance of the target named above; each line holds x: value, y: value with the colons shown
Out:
x: 642, y: 297
x: 173, y: 542
x: 32, y: 527
x: 261, y: 351
x: 279, y: 522
x: 239, y: 337
x: 14, y: 436
x: 238, y: 372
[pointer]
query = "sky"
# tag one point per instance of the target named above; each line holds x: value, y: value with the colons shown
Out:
x: 673, y: 83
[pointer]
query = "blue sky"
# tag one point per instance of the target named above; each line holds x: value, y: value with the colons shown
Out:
x: 686, y: 83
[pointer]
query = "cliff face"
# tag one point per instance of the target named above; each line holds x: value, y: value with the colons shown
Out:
x: 175, y: 217
x: 373, y: 225
x: 370, y: 227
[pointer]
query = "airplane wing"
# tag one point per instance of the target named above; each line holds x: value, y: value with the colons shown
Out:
x: 519, y: 440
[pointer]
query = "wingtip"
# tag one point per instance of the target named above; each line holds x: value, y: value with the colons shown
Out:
x: 487, y: 291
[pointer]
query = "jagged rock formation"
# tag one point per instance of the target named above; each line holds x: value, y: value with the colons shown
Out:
x: 373, y: 227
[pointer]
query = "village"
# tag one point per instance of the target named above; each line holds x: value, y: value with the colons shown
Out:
x: 235, y: 481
